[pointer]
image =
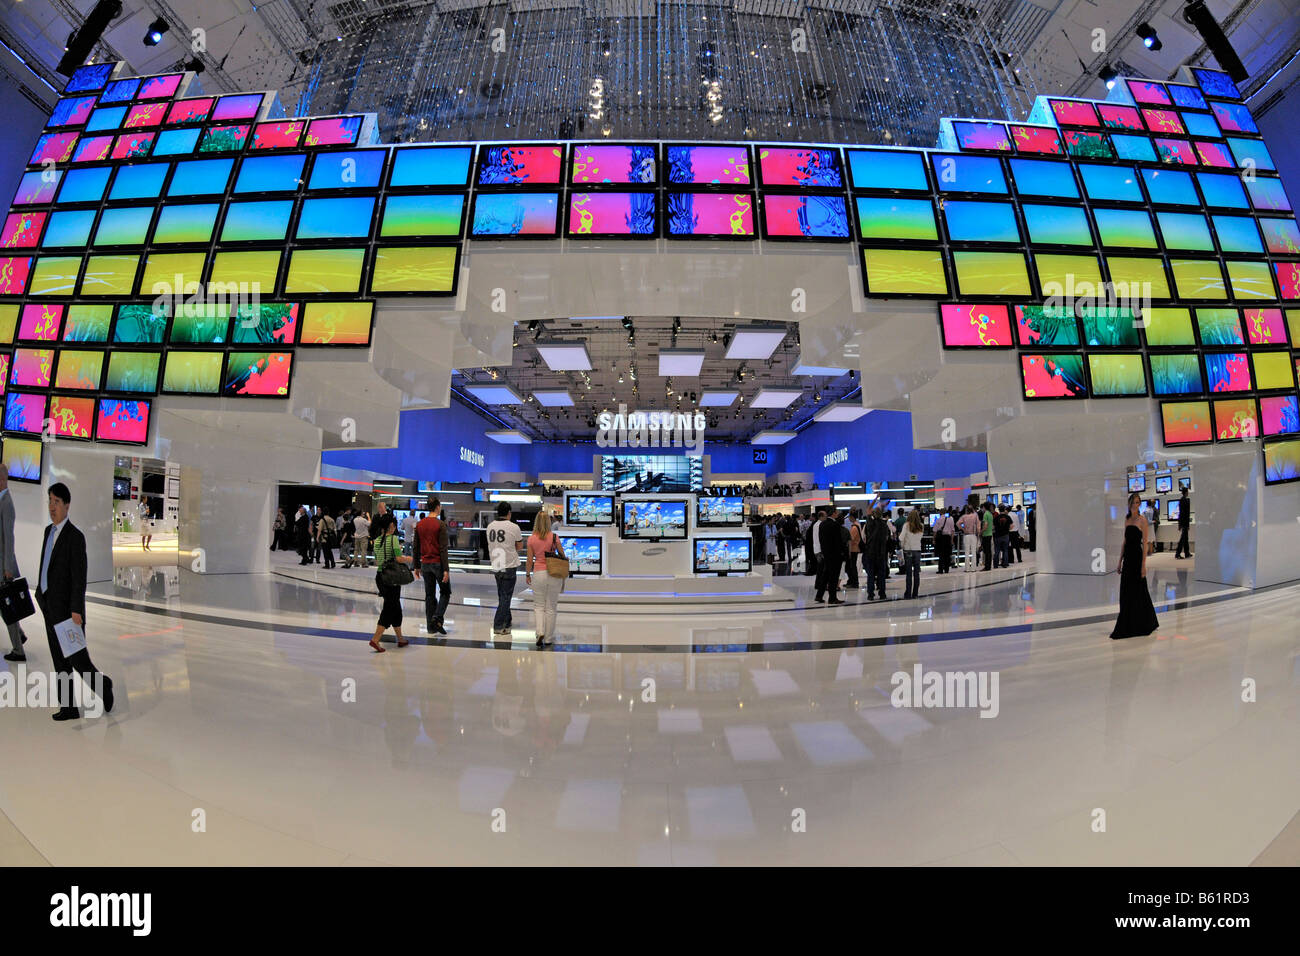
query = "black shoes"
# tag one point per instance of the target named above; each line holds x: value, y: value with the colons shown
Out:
x: 438, y: 628
x: 15, y: 658
x: 835, y: 603
x: 67, y: 713
x: 108, y: 695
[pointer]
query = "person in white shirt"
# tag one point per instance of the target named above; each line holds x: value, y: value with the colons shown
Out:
x: 909, y: 538
x: 1014, y: 543
x: 360, y: 540
x: 503, y: 537
x: 408, y: 532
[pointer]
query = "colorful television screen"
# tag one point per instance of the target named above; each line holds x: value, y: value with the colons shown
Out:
x: 423, y: 215
x: 200, y: 177
x: 279, y: 135
x: 1136, y: 483
x: 257, y: 221
x: 1074, y: 112
x: 335, y: 218
x: 653, y: 520
x: 585, y: 553
x: 985, y: 135
x: 1235, y: 419
x: 120, y: 91
x: 1117, y: 376
x: 31, y: 368
x: 615, y: 214
x: 431, y: 166
x: 87, y: 323
x: 805, y: 167
x: 79, y: 370
x: 904, y: 272
x: 969, y: 174
x: 55, y: 148
x: 896, y: 218
x: 1177, y: 373
x: 266, y: 324
x: 1281, y: 460
x: 1133, y: 148
x: 40, y: 323
x: 1115, y: 116
x: 708, y: 165
x: 133, y: 145
x: 519, y: 165
x: 1219, y: 327
x: 190, y: 111
x: 598, y: 163
x: 237, y: 107
x: 133, y: 372
x: 22, y: 456
x: 888, y: 169
x: 1183, y: 423
x: 720, y: 512
x: 334, y: 131
x: 89, y: 78
x: 177, y: 142
x: 139, y: 325
x: 123, y: 420
x: 36, y: 188
x: 1234, y: 117
x: 25, y: 412
x: 269, y: 174
x: 1056, y: 225
x: 1088, y: 144
x: 515, y: 214
x: 224, y: 139
x: 722, y: 555
x: 160, y: 87
x: 261, y: 374
x: 975, y: 326
x: 337, y: 323
x: 1036, y: 139
x: 1282, y: 236
x: 73, y: 415
x: 981, y: 221
x: 804, y: 217
x: 1228, y: 371
x: 349, y: 169
x: 192, y: 373
x: 71, y: 111
x: 710, y: 215
x: 589, y: 511
x: 1279, y: 415
x: 1116, y: 183
x: 1273, y: 370
x: 199, y: 325
x: 137, y: 181
x: 430, y: 270
x: 1053, y: 376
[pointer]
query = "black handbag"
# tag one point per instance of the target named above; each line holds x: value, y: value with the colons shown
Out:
x: 15, y: 601
x: 394, y: 573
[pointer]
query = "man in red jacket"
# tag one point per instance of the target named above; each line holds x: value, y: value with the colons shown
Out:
x: 433, y: 563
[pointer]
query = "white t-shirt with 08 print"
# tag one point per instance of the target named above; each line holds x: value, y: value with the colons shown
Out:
x: 503, y: 543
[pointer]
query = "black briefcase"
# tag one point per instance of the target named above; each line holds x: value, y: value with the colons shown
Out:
x: 15, y: 601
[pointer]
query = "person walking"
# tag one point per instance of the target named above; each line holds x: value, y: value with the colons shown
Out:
x: 1184, y: 549
x: 146, y: 525
x: 302, y: 535
x: 1137, y: 615
x: 504, y: 538
x: 546, y: 589
x: 360, y: 538
x: 388, y: 549
x: 10, y: 561
x: 830, y: 558
x: 909, y: 538
x: 970, y: 539
x: 431, y: 555
x: 277, y: 529
x: 944, y: 529
x: 877, y: 554
x: 61, y: 596
x: 346, y: 530
x: 1017, y: 533
x: 986, y: 535
x: 855, y: 552
x: 408, y: 533
x: 326, y: 534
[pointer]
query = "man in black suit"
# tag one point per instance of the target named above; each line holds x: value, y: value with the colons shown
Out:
x: 61, y: 595
x: 1184, y: 525
x: 832, y: 557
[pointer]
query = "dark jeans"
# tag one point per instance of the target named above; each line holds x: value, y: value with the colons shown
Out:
x: 876, y: 576
x: 1184, y: 549
x: 437, y: 593
x: 505, y: 591
x: 1001, y: 550
x: 1017, y: 543
x: 828, y: 576
x: 852, y: 570
x: 79, y: 663
x: 943, y: 545
x: 390, y: 615
x: 328, y: 553
x: 912, y: 573
x: 986, y: 547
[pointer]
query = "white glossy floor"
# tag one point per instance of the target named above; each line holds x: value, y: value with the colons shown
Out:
x: 230, y: 692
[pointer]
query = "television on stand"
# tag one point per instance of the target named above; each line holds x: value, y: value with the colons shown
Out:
x: 722, y: 556
x: 652, y: 519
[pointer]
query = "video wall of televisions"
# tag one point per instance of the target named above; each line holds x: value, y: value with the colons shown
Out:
x: 135, y: 185
x: 1164, y: 187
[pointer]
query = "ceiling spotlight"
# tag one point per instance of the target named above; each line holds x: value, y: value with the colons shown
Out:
x: 1150, y: 39
x: 1108, y: 76
x: 155, y: 32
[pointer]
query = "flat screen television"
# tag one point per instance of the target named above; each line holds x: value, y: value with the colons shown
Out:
x: 121, y: 489
x: 589, y: 511
x: 1175, y: 506
x: 720, y: 512
x: 1031, y: 497
x: 1137, y: 483
x: 1164, y: 484
x: 1184, y: 483
x: 646, y: 519
x: 585, y: 553
x: 722, y: 555
x: 1155, y: 506
x: 1008, y: 500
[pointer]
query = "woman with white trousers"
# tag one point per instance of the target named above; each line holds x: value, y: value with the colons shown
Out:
x: 546, y: 589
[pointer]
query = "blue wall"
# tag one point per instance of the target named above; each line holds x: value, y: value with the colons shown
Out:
x: 877, y: 447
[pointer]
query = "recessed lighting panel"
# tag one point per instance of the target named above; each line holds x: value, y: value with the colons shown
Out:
x: 770, y: 437
x: 495, y: 394
x: 553, y: 397
x: 775, y: 397
x: 718, y: 399
x: 841, y: 412
x: 826, y: 371
x: 564, y: 356
x: 509, y: 436
x: 680, y: 363
x: 754, y: 342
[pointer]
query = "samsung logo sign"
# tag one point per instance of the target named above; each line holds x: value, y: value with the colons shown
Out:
x: 473, y: 457
x: 835, y: 457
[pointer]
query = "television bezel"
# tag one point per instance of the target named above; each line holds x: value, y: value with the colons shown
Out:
x: 623, y: 502
x: 573, y: 571
x: 700, y: 523
x: 1168, y: 486
x: 699, y: 539
x: 570, y: 522
x: 1264, y: 451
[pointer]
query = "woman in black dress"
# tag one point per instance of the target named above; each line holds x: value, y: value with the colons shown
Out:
x: 1137, y: 615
